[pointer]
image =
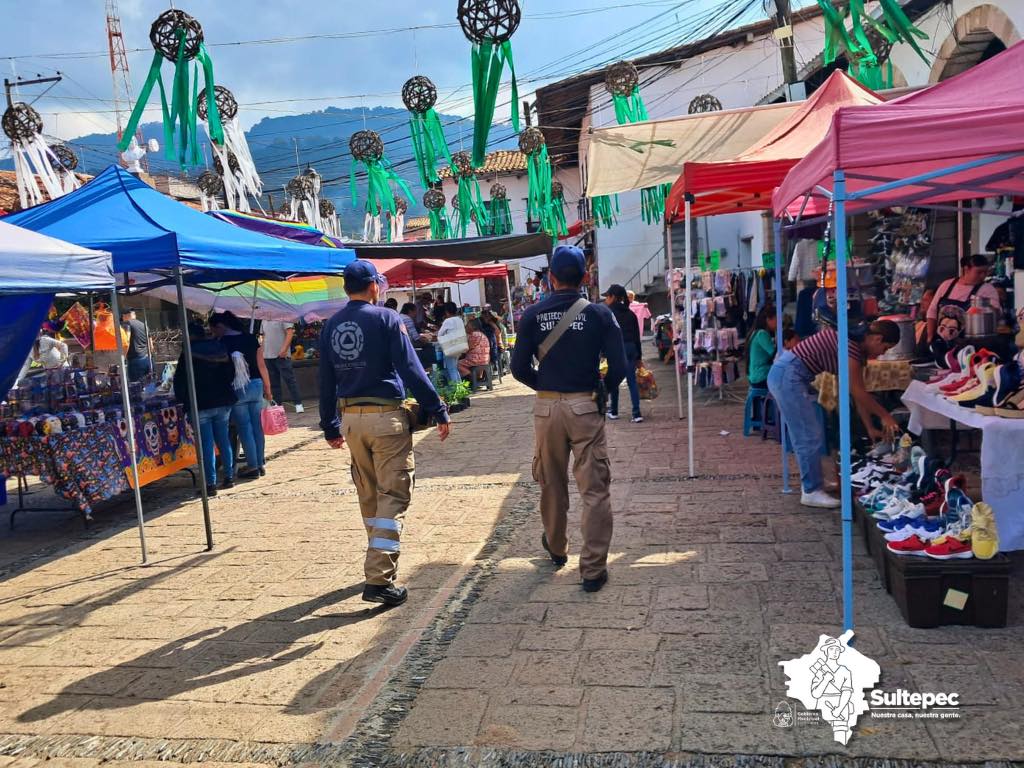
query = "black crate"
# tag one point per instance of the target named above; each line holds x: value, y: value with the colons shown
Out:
x: 920, y: 585
x: 874, y: 542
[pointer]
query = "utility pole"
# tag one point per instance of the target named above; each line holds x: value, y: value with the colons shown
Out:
x: 787, y: 44
x: 9, y: 84
x: 526, y: 112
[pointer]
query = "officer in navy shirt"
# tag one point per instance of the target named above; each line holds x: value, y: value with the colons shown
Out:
x: 566, y: 415
x: 366, y: 361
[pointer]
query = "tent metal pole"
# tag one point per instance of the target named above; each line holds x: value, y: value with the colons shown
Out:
x: 777, y: 228
x: 688, y: 330
x: 252, y: 314
x: 511, y: 311
x: 959, y: 233
x: 92, y: 326
x: 130, y: 420
x: 844, y: 396
x: 672, y: 298
x: 186, y: 346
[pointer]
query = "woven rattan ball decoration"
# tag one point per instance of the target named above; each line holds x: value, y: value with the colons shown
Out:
x: 327, y: 208
x: 227, y: 106
x: 705, y: 102
x: 433, y: 200
x: 210, y: 183
x: 419, y: 94
x: 556, y: 190
x: 463, y: 163
x: 401, y: 204
x: 455, y: 201
x: 300, y: 187
x: 232, y: 163
x: 366, y: 145
x: 622, y: 78
x: 21, y: 122
x: 498, y: 191
x: 494, y: 20
x: 531, y: 140
x: 65, y: 157
x: 166, y: 34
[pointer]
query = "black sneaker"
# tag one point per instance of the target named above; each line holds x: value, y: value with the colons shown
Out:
x: 263, y: 472
x: 211, y: 490
x: 558, y: 560
x: 594, y: 585
x: 388, y: 594
x: 250, y: 473
x: 227, y: 485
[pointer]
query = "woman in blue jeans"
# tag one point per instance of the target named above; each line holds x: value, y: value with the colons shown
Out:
x: 618, y: 302
x: 789, y: 381
x: 245, y: 413
x: 215, y: 396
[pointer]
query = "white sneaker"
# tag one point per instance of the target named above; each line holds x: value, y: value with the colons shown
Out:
x: 819, y: 499
x: 638, y: 419
x: 300, y: 408
x: 613, y: 416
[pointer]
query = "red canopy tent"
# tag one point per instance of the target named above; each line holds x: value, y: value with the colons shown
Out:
x: 971, y: 124
x: 422, y: 272
x: 746, y: 182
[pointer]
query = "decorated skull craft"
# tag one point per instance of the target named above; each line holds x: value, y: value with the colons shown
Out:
x: 151, y: 433
x: 170, y: 418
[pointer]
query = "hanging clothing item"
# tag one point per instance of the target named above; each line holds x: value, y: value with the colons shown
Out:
x: 805, y: 256
x: 754, y: 298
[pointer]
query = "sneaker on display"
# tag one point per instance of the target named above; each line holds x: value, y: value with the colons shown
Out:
x: 951, y: 547
x: 926, y: 531
x: 984, y: 534
x: 819, y: 499
x: 914, y: 546
x: 894, y: 524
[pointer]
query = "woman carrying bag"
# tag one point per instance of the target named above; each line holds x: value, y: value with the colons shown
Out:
x: 251, y: 381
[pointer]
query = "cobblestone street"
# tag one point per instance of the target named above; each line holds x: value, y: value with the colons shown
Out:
x: 262, y: 653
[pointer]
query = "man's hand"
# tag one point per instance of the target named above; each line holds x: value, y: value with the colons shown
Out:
x: 286, y: 351
x: 890, y: 427
x: 443, y: 430
x: 338, y: 442
x: 875, y: 435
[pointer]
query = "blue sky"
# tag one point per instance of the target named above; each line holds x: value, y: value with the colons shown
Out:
x: 372, y: 54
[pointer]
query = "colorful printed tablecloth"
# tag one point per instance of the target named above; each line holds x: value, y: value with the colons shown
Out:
x: 92, y: 464
x: 82, y: 466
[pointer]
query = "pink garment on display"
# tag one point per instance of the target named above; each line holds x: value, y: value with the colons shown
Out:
x: 642, y: 313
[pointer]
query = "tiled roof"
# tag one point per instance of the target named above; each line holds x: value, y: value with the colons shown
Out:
x: 9, y: 201
x: 500, y: 163
x: 417, y: 228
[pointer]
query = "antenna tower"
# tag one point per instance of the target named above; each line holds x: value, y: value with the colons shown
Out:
x: 119, y: 72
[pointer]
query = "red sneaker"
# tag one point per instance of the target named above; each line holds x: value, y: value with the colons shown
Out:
x: 915, y: 546
x: 933, y: 502
x: 951, y: 548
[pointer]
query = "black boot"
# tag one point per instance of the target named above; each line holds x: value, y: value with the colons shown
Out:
x: 594, y: 585
x: 558, y: 560
x: 388, y: 594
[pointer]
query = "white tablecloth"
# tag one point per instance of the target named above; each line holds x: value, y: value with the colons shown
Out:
x: 1002, y: 454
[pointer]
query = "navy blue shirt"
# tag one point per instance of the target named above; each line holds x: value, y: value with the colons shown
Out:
x: 572, y: 364
x: 365, y: 351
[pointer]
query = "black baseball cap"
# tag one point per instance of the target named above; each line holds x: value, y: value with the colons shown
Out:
x: 617, y: 291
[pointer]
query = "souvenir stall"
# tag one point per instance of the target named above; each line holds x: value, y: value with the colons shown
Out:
x: 57, y: 427
x: 936, y: 148
x: 742, y: 178
x: 154, y: 240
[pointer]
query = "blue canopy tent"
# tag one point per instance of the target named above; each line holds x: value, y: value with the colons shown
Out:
x: 146, y: 232
x: 33, y: 268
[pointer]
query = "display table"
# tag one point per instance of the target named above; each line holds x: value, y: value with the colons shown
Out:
x: 92, y: 464
x: 1002, y: 454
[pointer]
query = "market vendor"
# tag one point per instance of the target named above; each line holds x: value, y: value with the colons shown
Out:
x: 958, y: 291
x: 789, y: 382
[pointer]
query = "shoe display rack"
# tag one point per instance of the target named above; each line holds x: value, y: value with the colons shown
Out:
x: 934, y: 593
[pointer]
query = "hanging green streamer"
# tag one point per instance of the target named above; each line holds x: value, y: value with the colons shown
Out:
x: 501, y: 216
x: 558, y: 214
x: 440, y: 226
x: 488, y: 62
x: 379, y: 178
x: 470, y: 206
x: 603, y: 210
x: 428, y: 142
x: 182, y: 111
x: 652, y: 203
x: 539, y: 204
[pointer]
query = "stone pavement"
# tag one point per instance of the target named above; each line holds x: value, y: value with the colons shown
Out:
x: 260, y: 652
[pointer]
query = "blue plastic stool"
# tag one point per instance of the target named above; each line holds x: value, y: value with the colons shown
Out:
x: 754, y: 405
x: 772, y: 423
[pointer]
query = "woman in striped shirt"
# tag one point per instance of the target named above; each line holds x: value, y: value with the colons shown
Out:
x: 789, y: 381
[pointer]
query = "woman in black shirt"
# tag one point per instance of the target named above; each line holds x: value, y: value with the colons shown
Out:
x: 245, y: 413
x: 618, y: 301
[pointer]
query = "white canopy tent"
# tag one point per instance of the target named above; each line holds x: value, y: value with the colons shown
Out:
x: 31, y: 263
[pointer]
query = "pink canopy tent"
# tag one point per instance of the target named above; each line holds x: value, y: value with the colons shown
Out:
x: 746, y: 182
x: 422, y: 272
x: 971, y: 124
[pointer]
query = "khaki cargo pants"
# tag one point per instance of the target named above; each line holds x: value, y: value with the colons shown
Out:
x: 383, y: 470
x: 567, y: 423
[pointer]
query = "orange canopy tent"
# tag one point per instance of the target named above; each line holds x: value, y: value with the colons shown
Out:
x: 746, y: 182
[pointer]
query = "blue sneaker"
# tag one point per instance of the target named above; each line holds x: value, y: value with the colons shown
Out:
x: 1008, y: 381
x: 909, y: 517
